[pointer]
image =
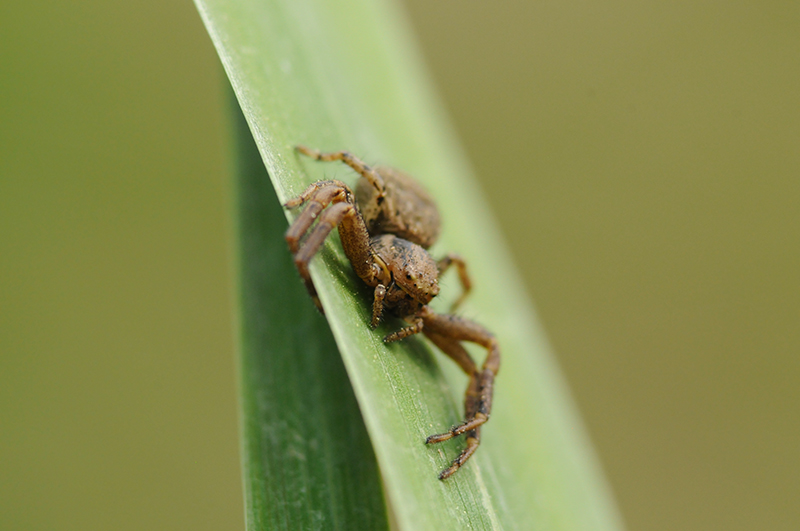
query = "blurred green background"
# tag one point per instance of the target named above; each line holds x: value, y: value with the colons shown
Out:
x: 642, y: 158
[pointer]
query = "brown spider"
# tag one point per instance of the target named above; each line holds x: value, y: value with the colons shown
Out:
x: 385, y: 229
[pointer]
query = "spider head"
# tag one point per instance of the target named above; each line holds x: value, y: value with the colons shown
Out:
x: 414, y: 273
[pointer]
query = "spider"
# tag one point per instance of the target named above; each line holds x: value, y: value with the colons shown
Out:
x: 385, y: 228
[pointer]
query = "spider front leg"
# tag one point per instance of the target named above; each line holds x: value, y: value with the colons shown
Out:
x: 318, y: 195
x: 471, y: 400
x: 377, y: 305
x: 302, y: 256
x: 304, y: 241
x: 446, y: 332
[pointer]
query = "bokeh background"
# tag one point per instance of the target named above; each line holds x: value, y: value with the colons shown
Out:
x: 642, y: 158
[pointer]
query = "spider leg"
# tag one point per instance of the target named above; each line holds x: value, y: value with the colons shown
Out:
x: 329, y: 219
x: 446, y: 332
x: 377, y: 305
x: 313, y: 190
x: 466, y: 284
x: 458, y: 354
x: 304, y: 242
x: 351, y: 160
x: 318, y: 196
x: 471, y: 399
x: 473, y: 441
x: 414, y: 328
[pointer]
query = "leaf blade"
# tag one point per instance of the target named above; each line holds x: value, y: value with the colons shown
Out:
x: 308, y: 461
x: 342, y: 75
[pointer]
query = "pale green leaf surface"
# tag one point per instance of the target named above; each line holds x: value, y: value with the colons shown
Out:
x: 342, y: 75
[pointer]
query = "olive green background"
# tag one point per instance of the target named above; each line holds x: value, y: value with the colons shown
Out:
x: 642, y: 158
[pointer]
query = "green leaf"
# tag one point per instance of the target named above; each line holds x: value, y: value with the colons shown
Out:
x: 308, y: 461
x: 342, y: 74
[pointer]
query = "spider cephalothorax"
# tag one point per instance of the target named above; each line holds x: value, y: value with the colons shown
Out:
x: 385, y: 229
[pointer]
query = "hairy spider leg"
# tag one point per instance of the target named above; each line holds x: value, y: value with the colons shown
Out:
x: 459, y: 329
x: 446, y: 332
x: 352, y: 231
x: 351, y: 160
x: 318, y: 196
x: 414, y: 328
x: 327, y: 221
x: 457, y: 353
x: 377, y: 305
x: 466, y: 284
